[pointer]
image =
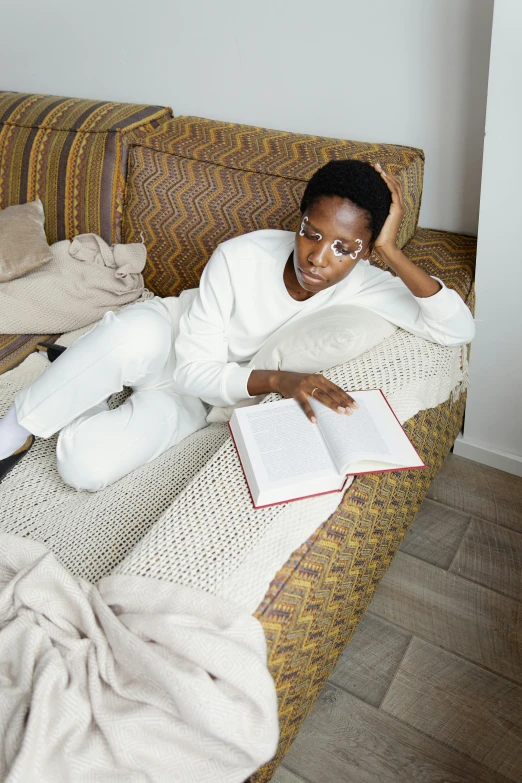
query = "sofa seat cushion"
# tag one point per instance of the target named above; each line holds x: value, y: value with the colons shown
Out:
x: 195, y: 183
x: 70, y: 153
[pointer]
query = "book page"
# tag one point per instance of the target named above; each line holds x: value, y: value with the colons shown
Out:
x: 371, y: 433
x: 351, y: 438
x: 287, y: 444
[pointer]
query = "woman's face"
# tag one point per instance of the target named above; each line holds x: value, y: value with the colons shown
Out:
x: 331, y: 238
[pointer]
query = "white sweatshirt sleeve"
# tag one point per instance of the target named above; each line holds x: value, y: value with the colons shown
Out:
x: 442, y: 318
x: 201, y: 347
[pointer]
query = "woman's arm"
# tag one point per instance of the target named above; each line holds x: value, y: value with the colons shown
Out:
x: 413, y: 300
x: 201, y: 346
x: 419, y: 282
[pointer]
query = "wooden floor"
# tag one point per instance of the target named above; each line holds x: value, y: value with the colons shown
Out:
x: 429, y: 690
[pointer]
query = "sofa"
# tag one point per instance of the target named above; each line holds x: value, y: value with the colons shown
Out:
x: 183, y: 184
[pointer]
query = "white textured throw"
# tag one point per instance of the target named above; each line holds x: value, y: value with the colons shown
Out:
x: 188, y: 512
x: 84, y: 279
x: 133, y: 680
x: 216, y: 540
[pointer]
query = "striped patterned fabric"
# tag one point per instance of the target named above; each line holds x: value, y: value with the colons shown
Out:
x: 194, y: 183
x: 70, y: 153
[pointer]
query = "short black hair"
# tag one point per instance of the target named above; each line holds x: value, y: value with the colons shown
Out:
x: 356, y: 181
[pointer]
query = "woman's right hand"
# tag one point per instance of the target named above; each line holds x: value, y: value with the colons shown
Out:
x: 300, y: 386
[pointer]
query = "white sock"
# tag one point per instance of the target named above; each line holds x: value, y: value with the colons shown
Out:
x: 12, y: 434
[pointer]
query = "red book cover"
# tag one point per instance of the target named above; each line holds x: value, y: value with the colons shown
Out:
x: 348, y: 475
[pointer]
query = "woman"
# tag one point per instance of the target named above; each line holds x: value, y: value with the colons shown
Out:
x: 181, y: 352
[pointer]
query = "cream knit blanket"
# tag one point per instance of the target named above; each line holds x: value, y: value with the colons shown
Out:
x: 187, y: 517
x: 84, y: 279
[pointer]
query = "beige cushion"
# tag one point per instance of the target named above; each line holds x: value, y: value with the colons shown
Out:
x: 314, y: 343
x: 322, y: 340
x: 23, y: 245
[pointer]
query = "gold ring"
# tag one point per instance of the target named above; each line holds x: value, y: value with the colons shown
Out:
x: 314, y: 390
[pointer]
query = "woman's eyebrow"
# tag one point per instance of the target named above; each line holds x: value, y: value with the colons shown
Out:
x: 338, y: 239
x: 311, y: 225
x: 344, y: 241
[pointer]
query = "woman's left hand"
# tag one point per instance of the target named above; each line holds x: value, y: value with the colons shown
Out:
x: 387, y: 239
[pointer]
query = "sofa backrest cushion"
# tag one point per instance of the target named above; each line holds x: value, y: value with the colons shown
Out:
x: 70, y: 154
x: 194, y: 183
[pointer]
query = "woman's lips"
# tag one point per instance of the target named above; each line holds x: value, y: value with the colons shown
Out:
x: 315, y: 279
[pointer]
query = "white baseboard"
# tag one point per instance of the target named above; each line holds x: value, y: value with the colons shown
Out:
x: 510, y: 463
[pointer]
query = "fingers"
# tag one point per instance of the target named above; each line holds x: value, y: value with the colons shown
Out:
x: 341, y: 397
x: 386, y: 175
x: 394, y: 184
x: 303, y: 387
x: 305, y: 405
x: 332, y: 396
x: 332, y: 402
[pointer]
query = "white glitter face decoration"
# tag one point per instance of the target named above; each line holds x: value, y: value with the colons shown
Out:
x: 304, y: 221
x: 337, y: 249
x: 359, y: 248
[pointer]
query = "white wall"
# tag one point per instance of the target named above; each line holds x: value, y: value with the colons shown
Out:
x: 407, y: 71
x: 493, y: 425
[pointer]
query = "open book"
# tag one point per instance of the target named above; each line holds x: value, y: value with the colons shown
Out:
x: 286, y: 457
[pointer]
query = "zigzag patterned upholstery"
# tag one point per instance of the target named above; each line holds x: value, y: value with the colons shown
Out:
x: 196, y: 182
x: 70, y: 153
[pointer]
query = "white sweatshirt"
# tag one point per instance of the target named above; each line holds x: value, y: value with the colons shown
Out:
x: 242, y: 300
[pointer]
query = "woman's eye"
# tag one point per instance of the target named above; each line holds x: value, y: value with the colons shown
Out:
x: 312, y: 236
x: 342, y: 251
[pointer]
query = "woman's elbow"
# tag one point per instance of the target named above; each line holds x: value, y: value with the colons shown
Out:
x: 463, y: 336
x: 468, y: 330
x: 181, y: 380
x: 471, y: 333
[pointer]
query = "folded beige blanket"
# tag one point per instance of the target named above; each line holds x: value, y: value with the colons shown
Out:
x: 134, y: 679
x: 84, y: 280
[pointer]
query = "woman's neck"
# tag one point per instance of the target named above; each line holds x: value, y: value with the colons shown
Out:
x: 292, y: 285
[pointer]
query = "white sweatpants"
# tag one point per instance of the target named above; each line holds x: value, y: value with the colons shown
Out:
x: 97, y: 446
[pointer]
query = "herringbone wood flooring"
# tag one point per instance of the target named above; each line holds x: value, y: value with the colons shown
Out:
x: 429, y: 690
